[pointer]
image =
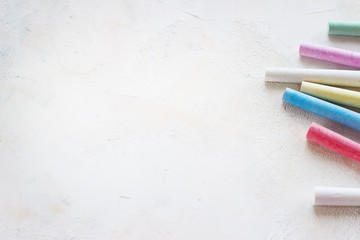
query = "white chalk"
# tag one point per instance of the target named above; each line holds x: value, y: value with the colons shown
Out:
x: 349, y: 78
x: 336, y: 196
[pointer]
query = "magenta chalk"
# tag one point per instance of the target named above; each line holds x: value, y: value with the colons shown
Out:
x: 330, y: 54
x: 333, y: 141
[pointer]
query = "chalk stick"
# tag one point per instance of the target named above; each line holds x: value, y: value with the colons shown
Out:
x: 332, y: 94
x: 330, y: 54
x: 325, y: 109
x: 336, y: 196
x: 333, y: 141
x: 344, y: 28
x: 346, y: 78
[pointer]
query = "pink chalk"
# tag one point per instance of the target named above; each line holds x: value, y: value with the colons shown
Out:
x: 330, y: 54
x: 334, y: 141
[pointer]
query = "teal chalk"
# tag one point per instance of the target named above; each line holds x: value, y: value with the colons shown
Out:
x: 344, y: 28
x: 325, y: 109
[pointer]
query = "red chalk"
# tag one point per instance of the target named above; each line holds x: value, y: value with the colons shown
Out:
x: 334, y: 141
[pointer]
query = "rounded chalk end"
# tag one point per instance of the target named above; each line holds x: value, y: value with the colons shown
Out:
x: 310, y: 133
x: 300, y: 49
x: 333, y: 28
x: 314, y: 197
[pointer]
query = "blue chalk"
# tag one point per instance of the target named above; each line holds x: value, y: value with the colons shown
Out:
x: 325, y: 109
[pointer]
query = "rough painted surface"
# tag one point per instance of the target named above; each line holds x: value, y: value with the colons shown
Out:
x: 150, y: 120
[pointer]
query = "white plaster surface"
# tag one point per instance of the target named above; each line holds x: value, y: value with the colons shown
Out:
x: 146, y: 119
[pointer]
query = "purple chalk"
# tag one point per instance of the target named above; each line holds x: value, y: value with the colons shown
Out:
x: 330, y: 54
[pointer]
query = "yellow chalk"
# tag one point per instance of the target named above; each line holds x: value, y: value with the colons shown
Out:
x: 332, y: 94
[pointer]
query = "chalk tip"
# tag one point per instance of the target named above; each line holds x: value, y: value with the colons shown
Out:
x: 314, y: 196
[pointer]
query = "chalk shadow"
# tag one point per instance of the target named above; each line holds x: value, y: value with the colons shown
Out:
x: 334, y: 212
x: 270, y: 85
x: 324, y: 154
x: 341, y: 39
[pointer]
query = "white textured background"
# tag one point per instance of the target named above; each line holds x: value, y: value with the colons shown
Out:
x: 150, y: 119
